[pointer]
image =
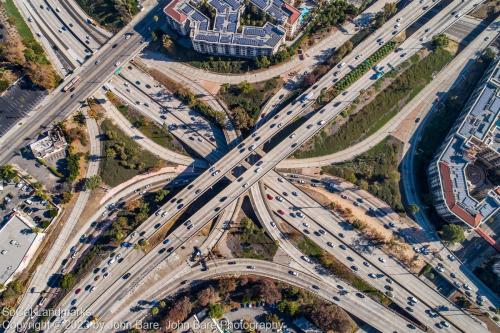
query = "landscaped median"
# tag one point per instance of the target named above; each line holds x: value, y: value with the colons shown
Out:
x: 380, y: 110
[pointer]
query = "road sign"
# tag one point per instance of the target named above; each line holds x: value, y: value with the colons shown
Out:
x: 118, y: 70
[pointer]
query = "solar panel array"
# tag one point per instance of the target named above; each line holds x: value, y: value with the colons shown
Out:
x: 231, y: 27
x: 235, y: 5
x: 276, y: 13
x: 204, y: 25
x: 262, y: 4
x: 219, y: 6
x: 226, y: 39
x: 255, y: 31
x: 211, y: 38
x: 233, y: 17
x: 244, y: 40
x: 275, y: 38
x: 197, y: 16
x: 219, y: 22
x: 187, y: 9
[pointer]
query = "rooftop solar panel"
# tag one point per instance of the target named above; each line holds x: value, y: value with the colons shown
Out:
x: 262, y: 4
x: 187, y: 9
x: 273, y: 40
x: 233, y: 17
x: 197, y: 16
x: 219, y: 22
x: 231, y: 27
x: 212, y: 38
x: 254, y: 31
x: 219, y: 6
x: 204, y: 25
x: 226, y: 38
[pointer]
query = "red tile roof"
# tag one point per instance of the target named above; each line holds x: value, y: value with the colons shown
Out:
x: 488, y: 238
x: 294, y: 13
x: 472, y: 220
x: 174, y: 13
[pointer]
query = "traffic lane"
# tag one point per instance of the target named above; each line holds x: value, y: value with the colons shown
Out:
x: 365, y: 266
x: 190, y: 134
x: 414, y: 285
x: 166, y: 100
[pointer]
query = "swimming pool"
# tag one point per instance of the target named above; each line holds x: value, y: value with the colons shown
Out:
x: 303, y: 13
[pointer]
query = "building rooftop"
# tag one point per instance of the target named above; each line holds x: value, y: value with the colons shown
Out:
x: 16, y: 239
x: 226, y: 22
x: 478, y: 131
x: 53, y: 141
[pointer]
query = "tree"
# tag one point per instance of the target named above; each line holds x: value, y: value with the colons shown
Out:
x: 93, y: 182
x: 66, y: 197
x: 215, y: 311
x: 440, y: 41
x: 413, y: 209
x: 52, y: 212
x: 68, y: 281
x: 489, y: 54
x: 155, y: 18
x: 143, y: 242
x: 330, y: 317
x: 453, y: 233
x: 207, y: 296
x: 245, y: 87
x: 390, y: 9
x: 13, y: 49
x: 35, y: 230
x: 154, y: 310
x: 179, y: 312
x: 41, y: 75
x: 269, y: 292
x: 7, y: 172
x: 226, y: 286
x: 160, y: 195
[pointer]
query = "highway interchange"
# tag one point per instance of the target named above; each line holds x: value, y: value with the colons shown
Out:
x: 257, y: 163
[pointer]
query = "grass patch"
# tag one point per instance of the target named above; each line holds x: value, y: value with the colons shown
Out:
x: 253, y: 241
x: 246, y: 99
x: 375, y: 171
x: 149, y: 128
x: 112, y: 14
x: 381, y: 109
x: 123, y: 158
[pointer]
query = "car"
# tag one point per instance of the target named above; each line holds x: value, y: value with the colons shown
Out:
x: 412, y: 299
x: 97, y: 62
x: 360, y: 295
x: 280, y: 179
x: 409, y: 309
x: 273, y: 224
x: 341, y: 235
x: 117, y: 63
x: 321, y: 231
x: 269, y: 197
x: 91, y: 290
x: 330, y: 244
x: 350, y: 258
x: 259, y: 169
x: 293, y: 273
x: 444, y: 323
x: 381, y: 259
x: 295, y: 194
x: 343, y: 247
x: 305, y: 225
x: 111, y: 261
x: 315, y: 287
x: 300, y: 215
x: 281, y: 212
x: 366, y: 264
x: 321, y: 122
x: 354, y: 268
x: 440, y: 269
x: 306, y: 259
x: 77, y: 291
x: 451, y: 257
x: 292, y: 135
x: 466, y: 286
x: 280, y: 199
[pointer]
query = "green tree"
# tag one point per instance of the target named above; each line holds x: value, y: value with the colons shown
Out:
x: 143, y: 242
x: 68, y: 281
x: 155, y: 18
x: 154, y: 310
x: 489, y: 54
x: 160, y: 195
x: 52, y: 212
x: 453, y: 233
x: 35, y: 230
x: 93, y: 182
x: 215, y: 311
x: 440, y: 41
x: 413, y: 209
x: 66, y: 197
x: 7, y: 172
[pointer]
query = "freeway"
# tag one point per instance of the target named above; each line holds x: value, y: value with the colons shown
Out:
x: 132, y: 131
x: 364, y: 308
x: 142, y: 266
x: 59, y: 104
x: 359, y: 251
x: 233, y: 191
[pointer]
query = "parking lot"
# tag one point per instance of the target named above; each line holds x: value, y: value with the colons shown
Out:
x: 20, y: 197
x: 17, y: 102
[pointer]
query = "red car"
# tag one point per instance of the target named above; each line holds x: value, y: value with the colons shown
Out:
x: 269, y: 197
x: 281, y: 212
x: 77, y: 291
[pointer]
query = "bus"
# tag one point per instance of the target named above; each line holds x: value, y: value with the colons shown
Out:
x: 71, y: 84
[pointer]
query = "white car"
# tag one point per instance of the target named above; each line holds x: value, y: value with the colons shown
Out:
x: 305, y: 225
x: 111, y: 261
x: 371, y: 275
x: 280, y: 179
x: 292, y: 135
x: 280, y: 199
x: 306, y: 259
x: 330, y: 244
x: 321, y: 122
x: 259, y: 169
x: 293, y: 273
x: 381, y: 259
x: 273, y: 224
